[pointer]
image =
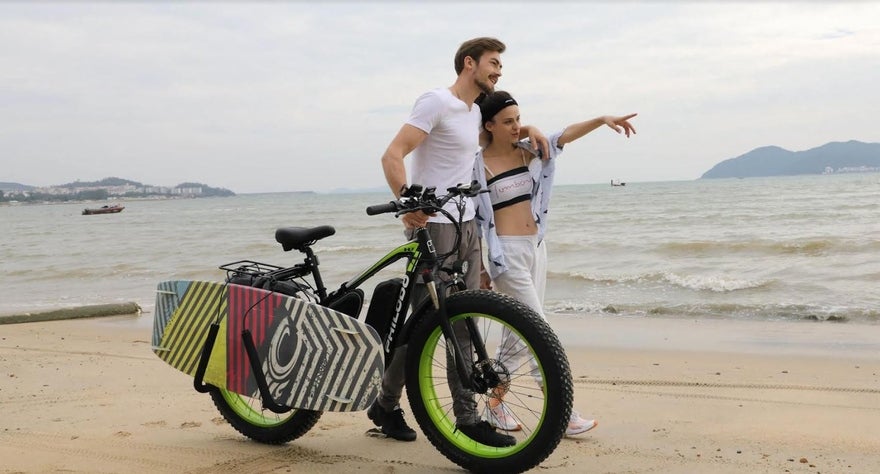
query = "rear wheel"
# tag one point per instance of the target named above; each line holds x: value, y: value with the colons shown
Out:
x: 247, y: 416
x: 527, y: 368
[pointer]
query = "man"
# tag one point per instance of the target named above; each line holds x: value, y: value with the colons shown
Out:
x: 442, y: 133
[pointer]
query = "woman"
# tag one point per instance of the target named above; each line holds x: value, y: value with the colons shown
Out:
x: 513, y: 219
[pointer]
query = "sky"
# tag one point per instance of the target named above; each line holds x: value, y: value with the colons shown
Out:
x: 297, y: 96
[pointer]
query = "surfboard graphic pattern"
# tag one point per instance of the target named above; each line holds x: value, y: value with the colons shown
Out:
x: 312, y: 357
x: 167, y: 298
x: 322, y: 360
x: 184, y: 337
x: 252, y: 309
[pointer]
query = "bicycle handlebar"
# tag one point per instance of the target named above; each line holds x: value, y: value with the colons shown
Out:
x: 416, y: 198
x: 382, y: 208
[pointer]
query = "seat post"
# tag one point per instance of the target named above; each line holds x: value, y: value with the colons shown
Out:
x: 312, y: 262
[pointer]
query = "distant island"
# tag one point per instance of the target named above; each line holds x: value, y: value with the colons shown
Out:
x: 107, y: 188
x: 835, y: 157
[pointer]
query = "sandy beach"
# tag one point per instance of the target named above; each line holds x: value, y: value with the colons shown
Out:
x: 671, y: 396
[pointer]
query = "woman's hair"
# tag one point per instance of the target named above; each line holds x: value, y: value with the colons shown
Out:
x: 493, y: 103
x: 475, y: 49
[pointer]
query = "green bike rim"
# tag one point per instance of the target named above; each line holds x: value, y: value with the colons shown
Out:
x: 438, y: 414
x: 257, y: 417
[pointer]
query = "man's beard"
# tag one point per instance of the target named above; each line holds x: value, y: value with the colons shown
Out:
x: 487, y: 87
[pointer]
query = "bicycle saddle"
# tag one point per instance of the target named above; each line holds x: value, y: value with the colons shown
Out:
x: 301, y: 237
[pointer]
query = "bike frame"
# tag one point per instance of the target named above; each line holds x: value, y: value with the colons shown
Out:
x: 412, y: 251
x: 422, y: 261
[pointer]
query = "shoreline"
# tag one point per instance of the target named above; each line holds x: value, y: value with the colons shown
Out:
x: 145, y: 306
x: 113, y: 199
x: 670, y: 395
x: 73, y: 312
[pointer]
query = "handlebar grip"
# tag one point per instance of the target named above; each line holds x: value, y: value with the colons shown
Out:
x: 382, y: 208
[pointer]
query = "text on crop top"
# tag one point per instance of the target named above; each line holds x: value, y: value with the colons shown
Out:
x: 509, y: 187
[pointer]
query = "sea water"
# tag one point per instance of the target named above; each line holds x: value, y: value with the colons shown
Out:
x: 786, y: 248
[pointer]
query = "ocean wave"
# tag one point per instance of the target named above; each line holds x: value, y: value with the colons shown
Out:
x: 807, y: 247
x: 562, y: 247
x: 350, y: 248
x: 256, y: 246
x: 712, y: 283
x: 772, y: 312
x: 374, y: 226
x: 568, y: 307
x: 762, y: 312
x: 134, y: 272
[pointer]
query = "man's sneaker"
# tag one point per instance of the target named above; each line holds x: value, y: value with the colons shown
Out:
x: 482, y: 432
x: 578, y: 425
x: 391, y: 422
x: 500, y: 417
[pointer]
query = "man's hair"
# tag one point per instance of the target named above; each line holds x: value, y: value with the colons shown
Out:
x: 475, y: 49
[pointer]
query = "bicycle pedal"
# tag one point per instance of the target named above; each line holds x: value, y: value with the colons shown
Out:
x: 375, y: 433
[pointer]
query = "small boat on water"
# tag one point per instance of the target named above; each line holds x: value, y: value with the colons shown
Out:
x: 103, y: 210
x: 617, y: 183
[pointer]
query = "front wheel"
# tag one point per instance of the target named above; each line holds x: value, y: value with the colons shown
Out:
x: 247, y: 416
x: 526, y: 369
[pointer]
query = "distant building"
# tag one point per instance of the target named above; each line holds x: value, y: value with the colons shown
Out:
x: 193, y: 191
x: 79, y: 190
x: 156, y: 190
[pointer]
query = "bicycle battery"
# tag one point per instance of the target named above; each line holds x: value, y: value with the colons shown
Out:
x: 350, y: 303
x: 382, y: 306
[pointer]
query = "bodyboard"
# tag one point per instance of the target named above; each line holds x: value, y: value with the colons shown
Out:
x: 313, y: 358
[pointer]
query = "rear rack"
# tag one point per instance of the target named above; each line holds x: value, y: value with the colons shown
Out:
x: 272, y: 277
x: 250, y: 267
x: 266, y: 270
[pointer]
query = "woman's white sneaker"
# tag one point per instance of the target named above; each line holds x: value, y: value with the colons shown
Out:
x: 500, y: 417
x: 578, y: 425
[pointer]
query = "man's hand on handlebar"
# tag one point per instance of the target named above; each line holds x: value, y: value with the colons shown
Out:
x: 414, y: 220
x: 416, y: 204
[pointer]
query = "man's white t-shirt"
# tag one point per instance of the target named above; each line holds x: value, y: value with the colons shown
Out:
x: 446, y: 157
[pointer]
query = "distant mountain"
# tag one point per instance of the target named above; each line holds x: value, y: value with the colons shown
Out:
x: 14, y: 187
x: 834, y: 157
x: 205, y: 189
x: 112, y: 181
x: 104, y: 189
x: 377, y: 189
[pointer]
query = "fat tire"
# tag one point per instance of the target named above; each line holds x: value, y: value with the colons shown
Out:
x: 544, y: 436
x: 288, y: 427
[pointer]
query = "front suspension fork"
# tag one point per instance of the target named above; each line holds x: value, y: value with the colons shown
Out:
x: 478, y: 381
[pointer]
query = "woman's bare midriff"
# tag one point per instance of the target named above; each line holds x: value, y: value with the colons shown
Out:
x: 515, y: 220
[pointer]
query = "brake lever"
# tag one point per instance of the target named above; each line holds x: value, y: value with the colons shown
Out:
x: 411, y: 191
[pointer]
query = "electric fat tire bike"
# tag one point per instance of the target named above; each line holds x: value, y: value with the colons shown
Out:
x: 511, y: 349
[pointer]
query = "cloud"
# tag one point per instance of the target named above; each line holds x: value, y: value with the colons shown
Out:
x: 838, y: 33
x: 281, y: 96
